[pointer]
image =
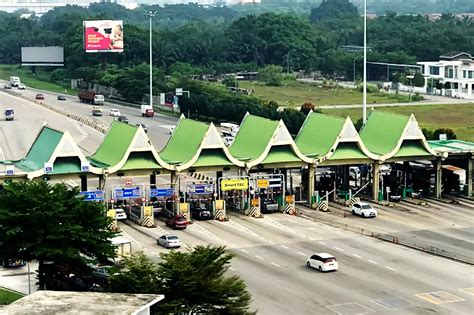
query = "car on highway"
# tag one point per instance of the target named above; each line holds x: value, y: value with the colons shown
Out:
x: 96, y: 111
x: 39, y: 96
x: 61, y: 98
x: 201, y: 214
x: 177, y: 222
x: 9, y: 114
x: 363, y: 209
x: 169, y: 241
x: 7, y: 86
x: 114, y: 112
x: 145, y: 127
x: 228, y: 140
x: 322, y: 262
x: 123, y: 119
x: 171, y: 130
x: 120, y: 214
x: 21, y: 86
x: 268, y: 205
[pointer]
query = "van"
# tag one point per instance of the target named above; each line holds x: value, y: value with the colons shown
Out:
x: 15, y: 81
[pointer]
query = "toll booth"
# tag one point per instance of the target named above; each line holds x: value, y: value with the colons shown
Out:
x: 201, y: 200
x: 163, y: 200
x: 269, y: 189
x: 235, y: 191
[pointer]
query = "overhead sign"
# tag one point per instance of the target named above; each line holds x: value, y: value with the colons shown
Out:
x: 48, y: 167
x: 125, y: 193
x: 262, y: 183
x: 103, y: 36
x: 97, y: 195
x: 85, y: 166
x: 237, y: 184
x: 161, y: 192
x: 200, y: 189
x: 9, y: 170
x: 129, y: 182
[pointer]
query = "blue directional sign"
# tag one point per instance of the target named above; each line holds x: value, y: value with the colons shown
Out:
x: 161, y: 192
x: 97, y: 195
x: 125, y: 193
x: 200, y: 189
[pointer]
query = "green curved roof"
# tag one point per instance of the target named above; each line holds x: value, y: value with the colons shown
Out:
x: 318, y: 134
x: 140, y: 161
x: 115, y: 145
x: 212, y: 157
x: 67, y: 165
x: 253, y: 137
x: 184, y: 142
x: 412, y: 148
x: 383, y: 131
x: 347, y: 151
x: 281, y: 154
x: 41, y: 150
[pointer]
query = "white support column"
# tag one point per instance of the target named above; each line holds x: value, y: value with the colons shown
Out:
x: 375, y: 181
x: 438, y: 177
x: 469, y: 175
x: 311, y: 171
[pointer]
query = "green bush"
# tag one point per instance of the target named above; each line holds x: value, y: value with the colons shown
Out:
x: 371, y: 88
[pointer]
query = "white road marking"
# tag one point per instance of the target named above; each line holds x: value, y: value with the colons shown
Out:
x: 261, y: 258
x: 285, y: 247
x: 312, y: 239
x: 322, y: 243
x: 339, y: 249
x: 2, y: 156
x: 243, y: 250
x: 303, y: 235
x: 276, y: 265
x: 390, y: 268
x: 232, y: 269
x: 302, y: 254
x: 355, y: 255
x: 373, y: 262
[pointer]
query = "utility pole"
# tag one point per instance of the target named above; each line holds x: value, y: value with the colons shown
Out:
x: 151, y: 14
x: 364, y: 100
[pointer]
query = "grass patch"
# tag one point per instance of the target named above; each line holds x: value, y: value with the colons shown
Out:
x: 295, y: 93
x: 7, y: 296
x: 38, y: 81
x: 458, y: 117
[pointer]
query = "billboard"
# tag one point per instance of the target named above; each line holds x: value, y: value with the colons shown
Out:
x: 42, y: 56
x: 103, y: 36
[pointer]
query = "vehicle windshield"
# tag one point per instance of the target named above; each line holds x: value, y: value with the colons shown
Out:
x: 328, y: 260
x: 366, y: 207
x: 172, y: 237
x: 181, y: 219
x: 9, y: 111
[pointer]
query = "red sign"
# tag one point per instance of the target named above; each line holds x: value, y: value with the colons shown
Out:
x: 128, y: 182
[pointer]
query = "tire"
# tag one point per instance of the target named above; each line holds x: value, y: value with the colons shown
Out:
x: 320, y: 269
x: 308, y: 264
x: 363, y: 215
x: 353, y: 212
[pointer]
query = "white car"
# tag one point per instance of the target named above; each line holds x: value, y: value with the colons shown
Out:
x: 169, y: 241
x: 21, y: 86
x: 323, y: 262
x: 120, y: 214
x: 171, y: 130
x: 114, y: 112
x: 364, y: 209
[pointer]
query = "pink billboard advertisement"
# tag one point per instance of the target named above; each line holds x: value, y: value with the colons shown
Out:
x: 103, y: 36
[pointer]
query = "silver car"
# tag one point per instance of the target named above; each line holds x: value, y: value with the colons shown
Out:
x: 169, y: 241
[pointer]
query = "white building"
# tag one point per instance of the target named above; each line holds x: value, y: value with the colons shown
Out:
x: 455, y: 70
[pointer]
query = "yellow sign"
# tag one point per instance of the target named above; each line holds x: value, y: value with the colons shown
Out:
x: 290, y: 199
x: 183, y: 207
x: 237, y: 184
x: 148, y: 211
x: 220, y: 204
x: 111, y: 213
x: 262, y: 183
x: 255, y: 202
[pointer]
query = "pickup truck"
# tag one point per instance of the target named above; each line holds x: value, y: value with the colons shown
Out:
x: 91, y: 97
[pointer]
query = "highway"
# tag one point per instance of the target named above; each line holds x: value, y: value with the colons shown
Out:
x: 271, y: 252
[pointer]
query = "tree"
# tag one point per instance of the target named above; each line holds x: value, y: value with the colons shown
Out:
x: 44, y: 222
x: 418, y: 80
x: 306, y: 108
x: 333, y: 9
x: 271, y: 75
x: 447, y: 131
x: 192, y: 283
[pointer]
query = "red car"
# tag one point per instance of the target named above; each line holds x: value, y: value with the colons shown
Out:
x: 177, y: 222
x: 39, y: 96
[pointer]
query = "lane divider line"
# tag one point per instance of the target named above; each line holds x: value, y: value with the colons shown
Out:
x: 322, y: 243
x: 302, y: 254
x: 355, y: 255
x: 232, y: 269
x: 390, y: 268
x: 245, y: 251
x: 276, y: 265
x: 285, y: 247
x: 339, y: 249
x: 373, y: 262
x: 261, y: 258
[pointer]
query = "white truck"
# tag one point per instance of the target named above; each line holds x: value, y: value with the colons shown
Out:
x: 229, y: 130
x: 147, y: 110
x: 15, y: 81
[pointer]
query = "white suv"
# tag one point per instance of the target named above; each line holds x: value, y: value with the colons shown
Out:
x: 323, y: 262
x: 364, y: 209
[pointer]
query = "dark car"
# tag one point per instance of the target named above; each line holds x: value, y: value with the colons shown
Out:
x: 61, y: 98
x: 39, y: 96
x: 177, y: 222
x: 123, y: 119
x: 145, y: 127
x: 13, y: 263
x: 201, y: 214
x: 7, y: 86
x: 268, y: 205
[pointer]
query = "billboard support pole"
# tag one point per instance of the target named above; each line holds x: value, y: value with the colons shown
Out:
x: 151, y: 14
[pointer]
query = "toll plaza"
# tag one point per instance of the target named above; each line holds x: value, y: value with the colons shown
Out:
x: 388, y: 159
x: 201, y: 199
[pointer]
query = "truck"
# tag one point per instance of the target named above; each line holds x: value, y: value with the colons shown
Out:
x: 9, y: 114
x: 91, y: 97
x: 15, y: 81
x: 228, y: 129
x: 147, y: 111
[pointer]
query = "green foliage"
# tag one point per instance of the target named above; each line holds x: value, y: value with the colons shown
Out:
x: 184, y: 68
x: 193, y: 283
x: 334, y: 9
x: 49, y: 222
x: 230, y: 81
x: 418, y: 80
x: 306, y: 108
x: 447, y: 131
x: 427, y: 133
x: 271, y: 75
x: 7, y: 296
x: 371, y: 88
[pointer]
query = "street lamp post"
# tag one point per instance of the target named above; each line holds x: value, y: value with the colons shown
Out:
x: 364, y: 100
x: 151, y: 14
